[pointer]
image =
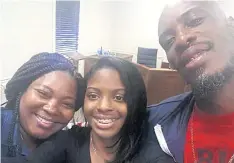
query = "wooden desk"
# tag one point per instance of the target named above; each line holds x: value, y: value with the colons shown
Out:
x: 161, y: 83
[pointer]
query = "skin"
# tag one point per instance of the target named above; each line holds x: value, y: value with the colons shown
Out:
x: 105, y: 100
x: 187, y: 29
x: 47, y: 98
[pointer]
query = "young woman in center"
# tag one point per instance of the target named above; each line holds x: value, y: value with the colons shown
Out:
x: 117, y: 120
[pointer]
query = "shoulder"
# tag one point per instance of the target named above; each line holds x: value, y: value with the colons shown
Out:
x: 52, y: 149
x: 79, y: 131
x: 166, y: 107
x: 6, y: 116
x: 6, y: 121
x: 81, y: 134
x: 68, y: 137
x: 6, y: 113
x: 19, y: 159
x: 151, y: 152
x: 79, y: 150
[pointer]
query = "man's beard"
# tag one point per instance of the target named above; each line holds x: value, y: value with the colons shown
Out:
x: 206, y: 87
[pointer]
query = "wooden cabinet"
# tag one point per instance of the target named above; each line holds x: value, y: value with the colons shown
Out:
x: 161, y: 83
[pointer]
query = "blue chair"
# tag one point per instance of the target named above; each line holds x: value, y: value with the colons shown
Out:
x: 147, y: 57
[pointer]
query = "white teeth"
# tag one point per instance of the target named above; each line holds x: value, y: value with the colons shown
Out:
x: 44, y: 121
x: 105, y: 121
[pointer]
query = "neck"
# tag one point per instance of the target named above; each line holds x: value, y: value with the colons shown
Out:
x: 221, y: 103
x: 106, y: 147
x: 30, y: 142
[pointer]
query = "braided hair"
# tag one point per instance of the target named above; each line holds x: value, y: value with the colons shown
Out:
x: 37, y: 66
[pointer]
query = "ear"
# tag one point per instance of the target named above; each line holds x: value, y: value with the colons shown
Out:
x: 230, y: 21
x: 171, y: 66
x: 230, y: 24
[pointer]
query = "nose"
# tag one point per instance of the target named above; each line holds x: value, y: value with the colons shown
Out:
x: 184, y: 38
x: 105, y: 105
x: 51, y: 107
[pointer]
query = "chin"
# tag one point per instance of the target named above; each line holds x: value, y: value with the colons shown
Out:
x: 42, y: 135
x: 106, y: 135
x: 192, y: 76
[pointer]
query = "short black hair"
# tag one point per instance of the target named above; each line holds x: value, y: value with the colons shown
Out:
x: 136, y: 123
x: 209, y: 5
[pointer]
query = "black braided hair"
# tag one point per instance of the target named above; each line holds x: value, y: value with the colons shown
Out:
x: 34, y: 68
x: 12, y: 149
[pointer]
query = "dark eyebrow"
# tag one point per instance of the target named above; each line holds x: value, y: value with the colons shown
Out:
x: 184, y: 15
x: 119, y: 89
x: 46, y: 87
x: 190, y: 10
x: 187, y: 11
x: 166, y: 33
x: 96, y: 89
x: 51, y: 90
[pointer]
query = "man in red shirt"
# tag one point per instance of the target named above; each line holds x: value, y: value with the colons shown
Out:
x: 199, y: 42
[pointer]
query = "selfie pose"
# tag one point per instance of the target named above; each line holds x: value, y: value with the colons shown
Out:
x: 42, y: 97
x: 198, y: 126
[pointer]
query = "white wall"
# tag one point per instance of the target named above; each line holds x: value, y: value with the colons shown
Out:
x: 94, y: 27
x: 136, y: 25
x: 119, y: 25
x: 124, y: 25
x: 27, y: 28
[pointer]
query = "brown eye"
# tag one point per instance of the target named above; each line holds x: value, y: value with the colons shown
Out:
x: 42, y: 94
x: 69, y: 105
x: 194, y: 22
x: 93, y: 96
x: 119, y: 98
x: 168, y: 44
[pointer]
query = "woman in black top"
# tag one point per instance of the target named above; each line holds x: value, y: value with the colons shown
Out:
x: 115, y: 110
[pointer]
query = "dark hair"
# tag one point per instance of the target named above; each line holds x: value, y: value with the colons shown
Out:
x: 136, y: 123
x: 37, y: 66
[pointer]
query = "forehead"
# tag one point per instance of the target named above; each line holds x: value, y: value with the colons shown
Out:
x: 173, y: 13
x: 53, y: 80
x: 106, y: 77
x: 54, y: 75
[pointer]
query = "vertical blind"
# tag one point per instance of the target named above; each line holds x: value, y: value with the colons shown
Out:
x: 67, y: 26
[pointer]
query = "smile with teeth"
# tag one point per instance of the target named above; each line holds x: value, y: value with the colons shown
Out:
x: 105, y: 121
x: 197, y: 56
x: 44, y: 120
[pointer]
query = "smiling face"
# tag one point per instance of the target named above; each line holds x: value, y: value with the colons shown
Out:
x: 104, y: 105
x: 196, y: 39
x: 48, y: 104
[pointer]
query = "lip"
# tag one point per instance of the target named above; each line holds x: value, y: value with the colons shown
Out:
x: 102, y: 116
x: 44, y: 122
x: 194, y: 56
x: 104, y: 124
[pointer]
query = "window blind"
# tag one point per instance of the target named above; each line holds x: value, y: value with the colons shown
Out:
x: 67, y: 26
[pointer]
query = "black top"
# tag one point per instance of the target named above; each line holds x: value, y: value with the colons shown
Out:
x: 72, y: 146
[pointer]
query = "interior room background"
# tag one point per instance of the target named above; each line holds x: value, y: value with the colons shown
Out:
x: 29, y: 27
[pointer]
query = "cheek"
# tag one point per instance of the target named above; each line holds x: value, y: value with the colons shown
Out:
x: 123, y: 110
x: 89, y: 107
x: 88, y: 110
x: 173, y: 59
x: 26, y: 106
x: 29, y: 102
x: 67, y: 115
